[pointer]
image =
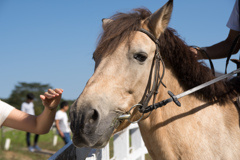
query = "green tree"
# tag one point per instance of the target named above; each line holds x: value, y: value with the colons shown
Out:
x: 20, y: 91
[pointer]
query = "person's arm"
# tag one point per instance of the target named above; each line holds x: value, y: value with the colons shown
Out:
x: 36, y: 124
x: 58, y: 128
x: 221, y: 49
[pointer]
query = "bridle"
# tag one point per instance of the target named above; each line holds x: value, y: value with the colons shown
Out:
x: 152, y: 86
x: 157, y: 81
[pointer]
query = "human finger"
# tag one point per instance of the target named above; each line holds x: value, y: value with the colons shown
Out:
x: 51, y: 91
x: 42, y: 97
x: 194, y: 50
x: 49, y: 95
x: 58, y: 90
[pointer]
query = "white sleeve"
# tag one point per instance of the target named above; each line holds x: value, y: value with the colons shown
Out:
x: 5, y: 110
x: 58, y: 116
x: 23, y: 107
x: 233, y: 22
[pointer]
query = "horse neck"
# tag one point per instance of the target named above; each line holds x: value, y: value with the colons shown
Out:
x: 165, y: 130
x: 171, y: 109
x: 162, y: 117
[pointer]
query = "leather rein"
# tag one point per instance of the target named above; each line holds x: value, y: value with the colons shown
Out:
x: 157, y: 81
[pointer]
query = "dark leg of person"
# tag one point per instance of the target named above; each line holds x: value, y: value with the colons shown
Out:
x: 28, y: 139
x: 36, y: 139
x: 36, y: 147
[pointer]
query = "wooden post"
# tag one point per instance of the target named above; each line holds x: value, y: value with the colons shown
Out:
x: 7, y: 144
x: 55, y: 138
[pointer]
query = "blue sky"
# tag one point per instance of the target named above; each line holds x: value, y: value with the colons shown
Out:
x: 53, y: 41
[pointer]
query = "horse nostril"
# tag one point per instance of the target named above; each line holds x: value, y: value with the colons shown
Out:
x: 89, y: 121
x: 95, y: 115
x: 86, y: 121
x: 92, y: 116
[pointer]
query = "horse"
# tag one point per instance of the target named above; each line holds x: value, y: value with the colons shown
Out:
x: 206, y: 126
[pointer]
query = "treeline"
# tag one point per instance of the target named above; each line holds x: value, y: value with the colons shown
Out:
x: 20, y: 91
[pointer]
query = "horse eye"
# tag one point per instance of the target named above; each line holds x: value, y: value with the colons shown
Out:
x: 140, y: 57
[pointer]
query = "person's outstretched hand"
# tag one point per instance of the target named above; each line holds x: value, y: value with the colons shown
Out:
x: 52, y: 98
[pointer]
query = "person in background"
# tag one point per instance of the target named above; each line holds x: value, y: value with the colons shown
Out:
x: 222, y: 49
x: 14, y: 118
x: 61, y: 121
x: 28, y: 107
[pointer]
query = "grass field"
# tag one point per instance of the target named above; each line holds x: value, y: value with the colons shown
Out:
x: 18, y: 148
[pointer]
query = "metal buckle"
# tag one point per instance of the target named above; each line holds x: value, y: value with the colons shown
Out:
x: 128, y: 115
x: 140, y: 105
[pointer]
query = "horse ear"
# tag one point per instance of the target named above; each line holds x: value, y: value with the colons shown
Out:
x: 159, y: 20
x: 105, y: 21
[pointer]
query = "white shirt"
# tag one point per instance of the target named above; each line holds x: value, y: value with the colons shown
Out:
x: 233, y: 22
x: 5, y: 110
x: 28, y: 108
x: 63, y: 121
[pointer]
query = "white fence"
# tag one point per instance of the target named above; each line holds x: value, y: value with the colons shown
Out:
x: 127, y: 145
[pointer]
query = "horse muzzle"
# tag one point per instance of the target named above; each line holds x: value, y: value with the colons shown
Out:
x: 91, y: 127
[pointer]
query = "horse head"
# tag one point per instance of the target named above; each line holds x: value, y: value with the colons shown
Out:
x: 123, y: 60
